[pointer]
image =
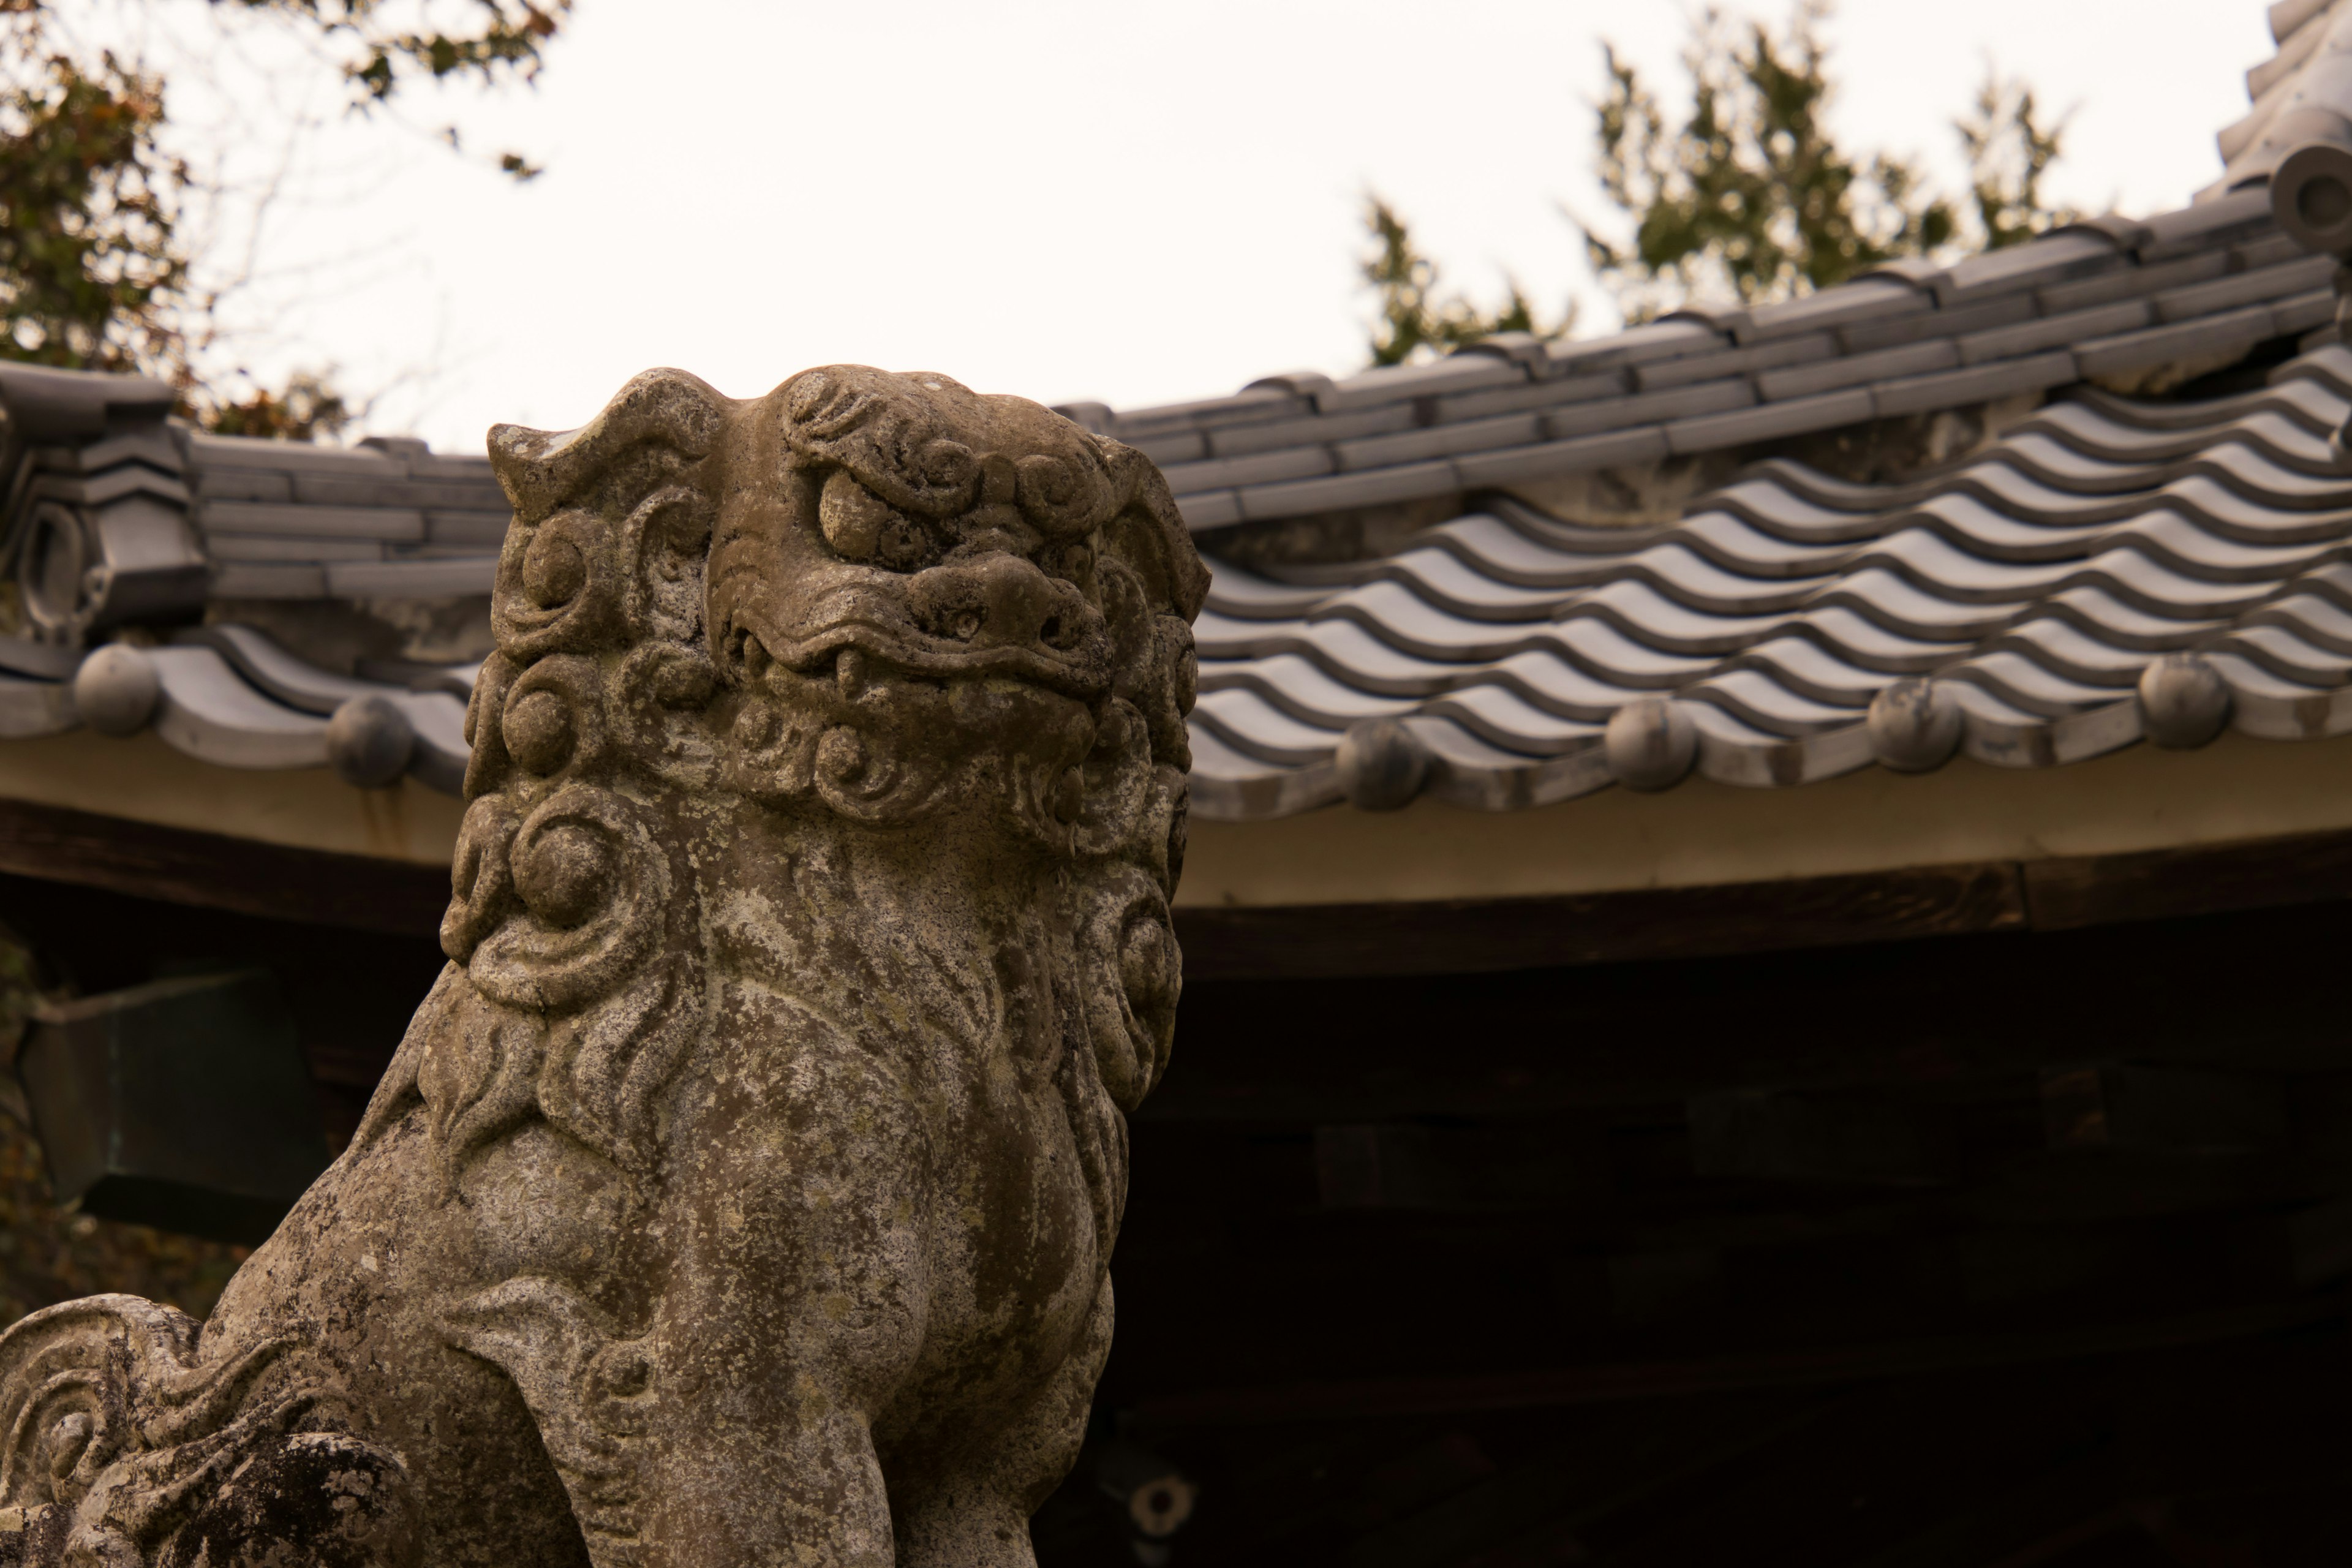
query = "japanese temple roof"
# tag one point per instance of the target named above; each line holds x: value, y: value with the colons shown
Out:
x: 118, y: 517
x: 2034, y: 584
x: 2116, y: 513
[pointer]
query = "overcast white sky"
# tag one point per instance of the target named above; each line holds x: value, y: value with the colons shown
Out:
x: 1066, y: 198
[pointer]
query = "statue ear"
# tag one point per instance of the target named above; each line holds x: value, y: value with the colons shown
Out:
x: 539, y: 469
x: 1148, y: 534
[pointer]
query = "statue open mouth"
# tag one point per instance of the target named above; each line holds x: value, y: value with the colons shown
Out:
x: 997, y: 619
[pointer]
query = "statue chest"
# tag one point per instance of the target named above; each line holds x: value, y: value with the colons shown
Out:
x: 972, y: 1172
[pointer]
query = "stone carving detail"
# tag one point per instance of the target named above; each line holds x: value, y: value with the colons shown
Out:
x: 744, y: 1190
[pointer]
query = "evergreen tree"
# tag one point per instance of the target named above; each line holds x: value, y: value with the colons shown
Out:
x: 1745, y: 196
x: 1412, y: 318
x: 2009, y: 150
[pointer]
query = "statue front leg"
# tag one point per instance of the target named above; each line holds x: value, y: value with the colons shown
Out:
x: 972, y: 1510
x: 809, y: 1493
x: 769, y: 1461
x: 733, y: 1433
x: 729, y: 1427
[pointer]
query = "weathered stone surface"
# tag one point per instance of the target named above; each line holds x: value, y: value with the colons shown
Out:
x: 745, y: 1189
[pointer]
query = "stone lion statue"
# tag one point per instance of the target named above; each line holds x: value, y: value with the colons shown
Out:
x: 744, y: 1191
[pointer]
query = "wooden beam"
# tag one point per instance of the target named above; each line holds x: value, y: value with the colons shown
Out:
x: 1491, y: 935
x: 1487, y: 935
x: 211, y: 871
x: 1331, y: 940
x: 2211, y: 880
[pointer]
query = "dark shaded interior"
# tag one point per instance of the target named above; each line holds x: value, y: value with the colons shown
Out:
x: 351, y: 993
x: 2008, y: 1249
x: 2017, y: 1247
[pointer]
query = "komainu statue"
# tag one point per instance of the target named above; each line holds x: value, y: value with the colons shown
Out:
x: 744, y: 1191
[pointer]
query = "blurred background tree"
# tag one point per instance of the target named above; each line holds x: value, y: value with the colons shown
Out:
x: 97, y: 266
x: 1745, y: 196
x: 1414, y: 322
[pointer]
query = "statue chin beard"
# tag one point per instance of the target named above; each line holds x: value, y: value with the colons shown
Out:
x: 809, y: 935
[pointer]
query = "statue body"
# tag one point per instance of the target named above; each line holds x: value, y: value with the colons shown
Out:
x: 745, y: 1189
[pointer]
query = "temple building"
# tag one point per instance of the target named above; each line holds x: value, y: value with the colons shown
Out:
x: 1757, y: 914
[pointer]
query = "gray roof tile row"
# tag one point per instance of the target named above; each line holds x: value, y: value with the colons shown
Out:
x: 2036, y: 588
x: 2038, y: 598
x: 229, y: 695
x: 281, y: 520
x: 2119, y: 295
x: 91, y: 459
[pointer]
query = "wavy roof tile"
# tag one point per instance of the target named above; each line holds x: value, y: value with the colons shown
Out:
x: 228, y: 695
x: 2110, y: 570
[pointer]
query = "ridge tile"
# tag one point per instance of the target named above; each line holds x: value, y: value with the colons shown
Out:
x: 1800, y: 416
x: 1917, y: 359
x: 1893, y: 331
x: 1651, y: 408
x: 1803, y: 349
x: 2054, y: 331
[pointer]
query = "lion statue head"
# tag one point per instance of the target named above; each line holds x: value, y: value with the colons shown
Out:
x: 871, y: 609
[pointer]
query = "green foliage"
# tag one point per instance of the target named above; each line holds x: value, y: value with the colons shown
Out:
x: 2009, y: 150
x: 309, y: 408
x: 89, y: 263
x: 1412, y: 318
x: 94, y: 270
x: 1747, y: 196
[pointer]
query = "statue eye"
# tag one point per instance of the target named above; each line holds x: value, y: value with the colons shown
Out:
x: 854, y: 518
x: 863, y: 527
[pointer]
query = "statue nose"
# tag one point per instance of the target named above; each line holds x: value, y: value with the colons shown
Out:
x: 1001, y: 600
